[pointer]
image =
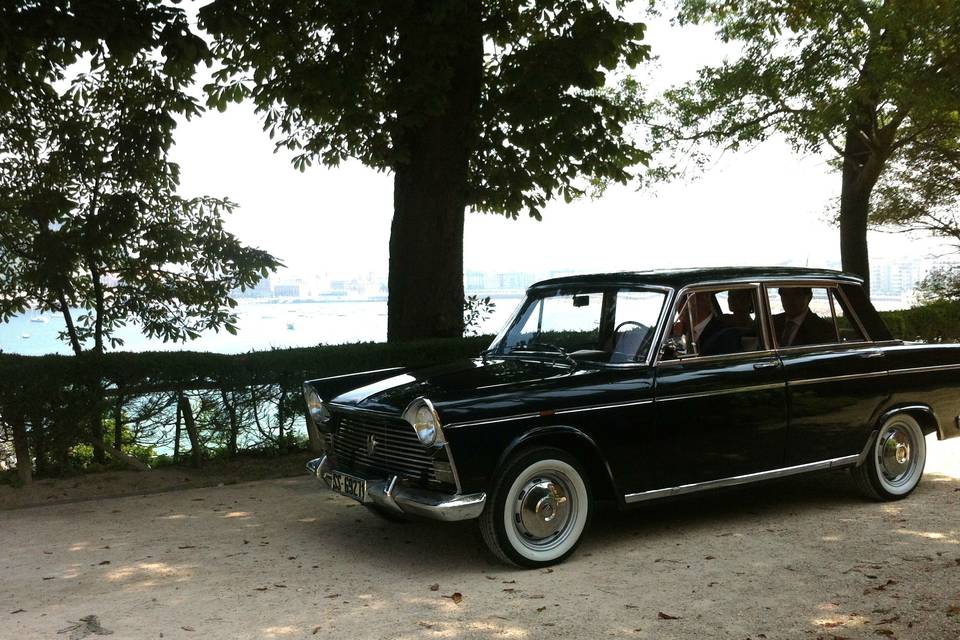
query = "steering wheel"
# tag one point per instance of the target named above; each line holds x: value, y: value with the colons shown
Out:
x: 617, y: 331
x: 625, y: 322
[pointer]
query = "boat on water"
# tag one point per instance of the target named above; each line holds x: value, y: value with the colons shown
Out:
x: 24, y: 336
x: 290, y: 326
x: 40, y: 319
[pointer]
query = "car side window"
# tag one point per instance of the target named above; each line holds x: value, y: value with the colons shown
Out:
x: 715, y: 322
x: 848, y: 330
x: 802, y: 316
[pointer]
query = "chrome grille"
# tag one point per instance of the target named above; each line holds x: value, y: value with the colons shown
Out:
x: 398, y: 450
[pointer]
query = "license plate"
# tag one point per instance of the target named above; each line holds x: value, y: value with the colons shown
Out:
x: 349, y: 486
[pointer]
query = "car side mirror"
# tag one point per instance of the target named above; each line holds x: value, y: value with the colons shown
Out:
x: 673, y: 348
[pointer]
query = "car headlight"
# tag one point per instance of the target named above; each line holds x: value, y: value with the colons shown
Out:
x: 315, y: 408
x: 422, y: 417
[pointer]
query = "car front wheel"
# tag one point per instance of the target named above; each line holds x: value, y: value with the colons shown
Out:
x: 895, y: 463
x: 539, y: 508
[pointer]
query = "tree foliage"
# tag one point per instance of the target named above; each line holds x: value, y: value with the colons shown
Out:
x: 333, y: 81
x: 492, y: 105
x: 870, y: 82
x: 90, y: 217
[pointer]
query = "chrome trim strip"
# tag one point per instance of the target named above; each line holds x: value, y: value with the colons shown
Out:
x: 354, y: 409
x: 557, y: 412
x: 938, y: 367
x: 471, y: 423
x: 850, y: 376
x: 643, y: 496
x: 723, y: 392
x: 866, y: 448
x: 612, y: 405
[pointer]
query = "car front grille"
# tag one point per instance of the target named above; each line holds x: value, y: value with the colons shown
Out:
x: 397, y: 451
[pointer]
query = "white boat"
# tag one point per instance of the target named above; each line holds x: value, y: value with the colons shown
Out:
x: 40, y: 319
x: 24, y: 336
x: 290, y: 326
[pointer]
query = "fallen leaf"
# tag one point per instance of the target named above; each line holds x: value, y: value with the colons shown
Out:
x: 435, y: 587
x: 490, y: 577
x: 889, y: 620
x: 425, y: 625
x: 280, y: 586
x: 666, y: 616
x: 13, y: 613
x: 953, y: 610
x: 103, y: 562
x: 456, y: 596
x: 316, y: 630
x: 709, y: 558
x: 509, y: 582
x: 187, y: 628
x: 541, y: 609
x: 631, y: 606
x: 332, y: 595
x: 260, y: 588
x: 187, y: 546
x: 547, y: 571
x: 50, y: 578
x: 884, y: 632
x: 509, y: 590
x: 830, y: 625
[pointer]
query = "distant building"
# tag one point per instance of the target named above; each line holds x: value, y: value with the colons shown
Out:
x: 286, y: 291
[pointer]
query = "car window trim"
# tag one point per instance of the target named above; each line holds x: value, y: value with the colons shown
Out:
x: 725, y: 285
x: 824, y: 283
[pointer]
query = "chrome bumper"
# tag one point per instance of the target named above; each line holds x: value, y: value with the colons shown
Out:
x: 390, y: 495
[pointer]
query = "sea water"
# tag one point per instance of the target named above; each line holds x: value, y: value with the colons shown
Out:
x: 261, y: 325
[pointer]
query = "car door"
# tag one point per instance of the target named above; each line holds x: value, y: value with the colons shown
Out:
x: 835, y: 384
x: 720, y: 411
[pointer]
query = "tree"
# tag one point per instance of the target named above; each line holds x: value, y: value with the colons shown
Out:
x: 863, y: 80
x: 90, y: 218
x: 491, y: 105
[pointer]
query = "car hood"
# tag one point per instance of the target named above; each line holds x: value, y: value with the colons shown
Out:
x: 449, y: 387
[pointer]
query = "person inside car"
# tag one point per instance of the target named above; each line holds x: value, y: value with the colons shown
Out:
x: 798, y: 325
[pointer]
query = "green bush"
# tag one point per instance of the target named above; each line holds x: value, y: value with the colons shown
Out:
x: 935, y: 322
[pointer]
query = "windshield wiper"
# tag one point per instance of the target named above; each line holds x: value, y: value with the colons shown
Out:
x: 540, y: 347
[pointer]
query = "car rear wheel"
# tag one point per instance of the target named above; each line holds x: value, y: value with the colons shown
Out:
x: 539, y: 508
x: 895, y: 462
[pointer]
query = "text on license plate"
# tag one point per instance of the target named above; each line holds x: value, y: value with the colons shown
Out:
x: 349, y: 486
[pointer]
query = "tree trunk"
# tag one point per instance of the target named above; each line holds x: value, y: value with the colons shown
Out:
x: 118, y: 423
x: 196, y: 453
x: 281, y: 417
x: 21, y: 447
x: 38, y: 434
x: 858, y: 179
x: 435, y: 140
x: 176, y: 432
x: 231, y: 408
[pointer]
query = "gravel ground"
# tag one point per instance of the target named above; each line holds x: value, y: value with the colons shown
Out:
x: 800, y: 558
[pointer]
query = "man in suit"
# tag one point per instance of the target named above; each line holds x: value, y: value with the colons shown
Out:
x: 708, y: 330
x: 798, y: 325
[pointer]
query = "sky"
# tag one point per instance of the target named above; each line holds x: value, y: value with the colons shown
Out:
x: 766, y: 205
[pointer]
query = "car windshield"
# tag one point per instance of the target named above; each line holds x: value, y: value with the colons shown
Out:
x: 599, y: 325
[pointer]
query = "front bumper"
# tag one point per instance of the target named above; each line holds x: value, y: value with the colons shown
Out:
x: 392, y: 496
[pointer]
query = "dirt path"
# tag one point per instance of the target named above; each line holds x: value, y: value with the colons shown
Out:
x: 805, y: 558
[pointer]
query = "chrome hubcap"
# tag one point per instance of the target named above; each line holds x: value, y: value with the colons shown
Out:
x: 895, y: 454
x: 542, y: 510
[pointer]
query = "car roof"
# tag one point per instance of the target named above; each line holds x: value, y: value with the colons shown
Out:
x: 678, y: 278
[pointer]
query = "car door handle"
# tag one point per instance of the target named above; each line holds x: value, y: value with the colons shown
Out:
x: 874, y: 354
x: 773, y: 364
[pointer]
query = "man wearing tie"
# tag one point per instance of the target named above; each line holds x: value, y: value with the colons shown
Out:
x: 798, y: 325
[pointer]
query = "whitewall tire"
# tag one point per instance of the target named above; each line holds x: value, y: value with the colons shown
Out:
x: 897, y: 456
x: 539, y: 508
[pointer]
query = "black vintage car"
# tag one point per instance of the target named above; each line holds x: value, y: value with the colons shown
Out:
x: 637, y: 387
